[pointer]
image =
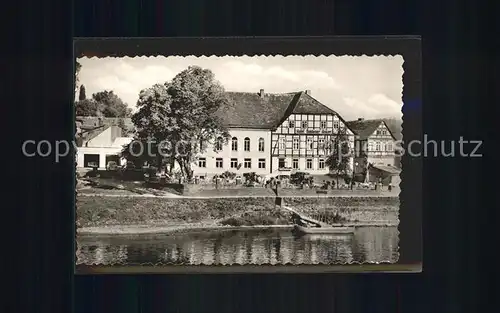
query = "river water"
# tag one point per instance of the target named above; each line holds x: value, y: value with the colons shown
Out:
x: 367, y: 244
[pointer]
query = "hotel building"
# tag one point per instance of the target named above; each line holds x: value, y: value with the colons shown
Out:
x: 274, y: 132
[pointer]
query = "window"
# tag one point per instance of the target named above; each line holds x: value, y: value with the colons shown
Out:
x: 234, y: 163
x: 336, y: 124
x: 218, y: 144
x: 322, y: 125
x: 202, y: 145
x: 282, y: 144
x: 321, y: 164
x: 291, y: 124
x: 382, y: 147
x: 295, y: 163
x: 247, y: 163
x: 310, y: 143
x: 377, y: 146
x: 246, y: 144
x: 281, y: 163
x: 321, y: 143
x: 309, y: 164
x: 370, y: 146
x: 304, y: 124
x: 296, y: 143
x: 218, y: 163
x: 262, y: 163
x: 202, y: 162
x: 234, y: 144
x: 261, y: 144
x: 389, y: 146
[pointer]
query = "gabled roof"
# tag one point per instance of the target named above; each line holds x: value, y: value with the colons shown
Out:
x: 365, y: 128
x: 251, y: 110
x: 309, y: 105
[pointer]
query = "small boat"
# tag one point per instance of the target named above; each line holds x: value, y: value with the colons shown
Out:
x: 324, y: 230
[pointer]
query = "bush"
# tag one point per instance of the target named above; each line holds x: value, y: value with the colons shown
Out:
x: 299, y: 178
x: 250, y: 177
x: 228, y: 175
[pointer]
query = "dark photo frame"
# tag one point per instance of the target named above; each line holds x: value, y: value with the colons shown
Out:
x: 410, y: 213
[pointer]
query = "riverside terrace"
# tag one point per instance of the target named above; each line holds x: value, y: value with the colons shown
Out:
x: 114, y: 185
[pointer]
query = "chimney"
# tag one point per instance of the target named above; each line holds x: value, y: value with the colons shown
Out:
x: 261, y: 93
x: 308, y: 92
x: 361, y: 119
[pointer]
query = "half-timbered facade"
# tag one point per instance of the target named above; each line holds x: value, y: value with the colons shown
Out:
x: 270, y: 132
x: 304, y: 140
x: 375, y: 147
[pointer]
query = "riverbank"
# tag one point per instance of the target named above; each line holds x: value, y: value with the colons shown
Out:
x: 172, y: 230
x: 113, y: 214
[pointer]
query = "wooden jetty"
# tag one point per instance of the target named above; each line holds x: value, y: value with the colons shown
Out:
x: 318, y: 226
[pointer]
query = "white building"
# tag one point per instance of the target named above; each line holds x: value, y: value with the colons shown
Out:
x: 270, y: 132
x: 376, y: 151
x: 101, y: 145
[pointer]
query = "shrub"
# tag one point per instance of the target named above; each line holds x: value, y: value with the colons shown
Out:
x: 228, y: 175
x: 299, y: 178
x: 250, y: 177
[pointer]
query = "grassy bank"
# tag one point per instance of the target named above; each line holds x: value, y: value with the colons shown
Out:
x: 102, y: 211
x: 105, y: 211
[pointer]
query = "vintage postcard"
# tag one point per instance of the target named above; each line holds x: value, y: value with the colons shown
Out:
x: 238, y: 160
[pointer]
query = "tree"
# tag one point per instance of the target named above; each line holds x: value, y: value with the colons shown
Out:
x: 111, y: 105
x: 340, y: 153
x: 82, y: 95
x: 78, y: 66
x: 123, y: 127
x: 182, y: 113
x: 87, y: 107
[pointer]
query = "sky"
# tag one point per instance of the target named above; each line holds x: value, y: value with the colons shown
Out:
x: 354, y: 86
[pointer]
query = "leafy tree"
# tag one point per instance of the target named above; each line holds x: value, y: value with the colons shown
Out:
x: 87, y: 107
x: 78, y: 66
x: 182, y: 113
x: 82, y: 95
x: 340, y: 153
x: 123, y: 127
x: 111, y: 105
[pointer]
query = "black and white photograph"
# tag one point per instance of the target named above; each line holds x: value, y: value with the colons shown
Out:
x: 238, y: 160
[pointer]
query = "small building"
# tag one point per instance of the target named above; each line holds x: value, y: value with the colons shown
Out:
x: 99, y: 145
x: 375, y: 151
x: 384, y: 174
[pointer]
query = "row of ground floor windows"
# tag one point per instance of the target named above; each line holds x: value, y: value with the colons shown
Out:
x: 247, y: 163
x: 219, y: 163
x: 295, y: 163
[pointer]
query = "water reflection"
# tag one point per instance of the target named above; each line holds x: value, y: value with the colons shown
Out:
x: 368, y: 244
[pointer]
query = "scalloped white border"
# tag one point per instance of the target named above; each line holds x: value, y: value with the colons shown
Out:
x: 160, y: 264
